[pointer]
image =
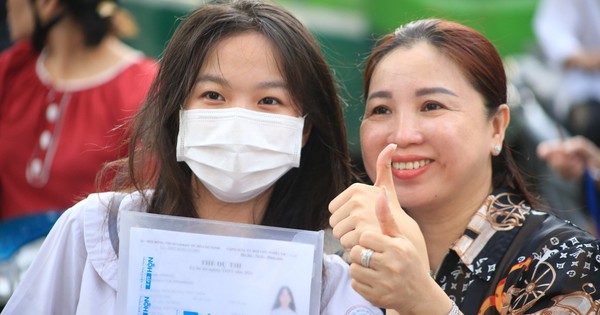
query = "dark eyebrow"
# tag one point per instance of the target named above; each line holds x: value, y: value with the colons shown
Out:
x: 273, y: 84
x: 211, y: 78
x: 380, y: 94
x: 434, y: 90
x: 222, y: 81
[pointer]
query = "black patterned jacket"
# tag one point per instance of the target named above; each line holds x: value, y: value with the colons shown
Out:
x: 515, y: 260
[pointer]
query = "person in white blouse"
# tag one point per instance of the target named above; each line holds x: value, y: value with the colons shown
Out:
x: 568, y: 33
x: 242, y: 124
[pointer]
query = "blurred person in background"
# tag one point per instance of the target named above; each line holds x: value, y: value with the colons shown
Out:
x: 569, y: 35
x: 67, y: 87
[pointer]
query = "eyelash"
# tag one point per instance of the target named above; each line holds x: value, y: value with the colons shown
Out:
x: 264, y: 101
x: 380, y: 110
x: 427, y: 107
x: 277, y: 101
x: 428, y: 104
x: 212, y: 95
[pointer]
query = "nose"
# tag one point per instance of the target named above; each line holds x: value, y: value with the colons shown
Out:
x: 406, y: 130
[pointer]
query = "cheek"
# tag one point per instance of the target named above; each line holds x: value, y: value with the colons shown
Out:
x: 467, y: 144
x: 454, y: 142
x: 372, y: 141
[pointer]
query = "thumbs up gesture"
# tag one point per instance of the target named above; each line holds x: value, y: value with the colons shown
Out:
x: 370, y: 217
x: 362, y: 208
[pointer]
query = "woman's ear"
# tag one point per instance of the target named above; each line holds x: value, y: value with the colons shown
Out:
x: 500, y: 122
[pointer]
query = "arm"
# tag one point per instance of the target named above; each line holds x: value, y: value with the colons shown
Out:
x: 571, y: 157
x: 586, y: 60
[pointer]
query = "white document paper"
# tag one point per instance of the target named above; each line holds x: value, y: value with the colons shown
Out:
x: 185, y: 273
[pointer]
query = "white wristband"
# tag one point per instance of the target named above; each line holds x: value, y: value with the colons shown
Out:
x: 454, y: 310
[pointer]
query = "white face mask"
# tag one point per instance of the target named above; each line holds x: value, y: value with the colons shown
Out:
x: 238, y: 153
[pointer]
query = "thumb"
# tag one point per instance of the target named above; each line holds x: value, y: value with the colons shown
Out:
x: 384, y: 167
x: 384, y: 215
x: 384, y: 179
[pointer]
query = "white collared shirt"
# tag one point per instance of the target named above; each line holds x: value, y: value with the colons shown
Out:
x: 76, y: 270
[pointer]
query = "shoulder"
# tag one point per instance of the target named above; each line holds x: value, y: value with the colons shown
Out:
x: 553, y: 232
x: 19, y: 52
x: 143, y: 67
x: 93, y: 214
x: 556, y: 241
x: 136, y: 64
x: 132, y: 79
x: 338, y: 296
x: 15, y: 60
x: 76, y: 263
x: 84, y: 213
x: 145, y: 63
x: 128, y: 78
x: 562, y: 263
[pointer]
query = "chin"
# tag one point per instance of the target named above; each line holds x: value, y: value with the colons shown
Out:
x: 415, y: 202
x: 409, y: 205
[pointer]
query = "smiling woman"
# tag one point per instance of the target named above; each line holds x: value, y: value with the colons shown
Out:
x: 447, y: 198
x: 425, y: 93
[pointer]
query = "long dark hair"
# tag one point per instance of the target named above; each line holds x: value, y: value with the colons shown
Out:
x: 300, y: 198
x: 479, y: 61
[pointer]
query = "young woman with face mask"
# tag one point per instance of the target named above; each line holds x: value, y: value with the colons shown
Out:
x: 449, y: 225
x: 242, y: 124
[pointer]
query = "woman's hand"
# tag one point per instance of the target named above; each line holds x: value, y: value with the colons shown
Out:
x: 353, y: 211
x: 570, y: 157
x: 586, y: 60
x: 397, y: 277
x: 370, y: 217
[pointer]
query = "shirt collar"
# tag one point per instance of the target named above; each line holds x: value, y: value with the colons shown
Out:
x: 500, y: 216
